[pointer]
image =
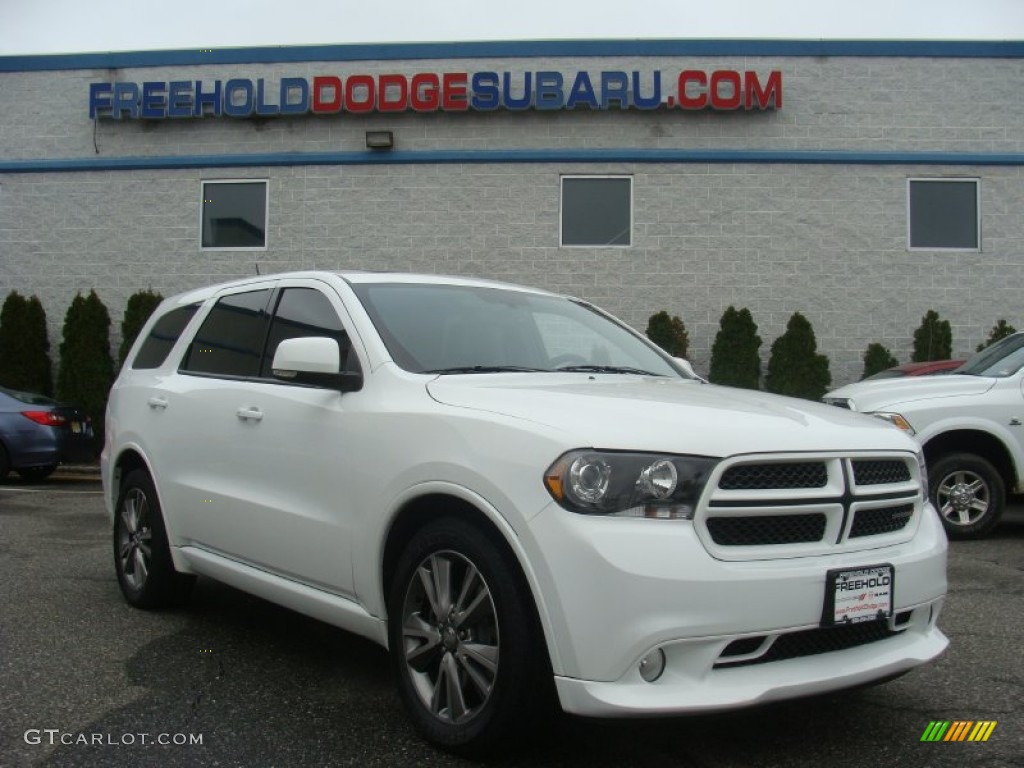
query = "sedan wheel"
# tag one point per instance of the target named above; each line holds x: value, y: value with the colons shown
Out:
x: 968, y: 493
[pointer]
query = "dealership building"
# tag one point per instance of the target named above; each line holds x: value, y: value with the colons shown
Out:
x: 861, y: 183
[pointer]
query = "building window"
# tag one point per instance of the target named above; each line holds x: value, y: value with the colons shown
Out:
x: 944, y: 214
x: 597, y: 210
x: 234, y: 214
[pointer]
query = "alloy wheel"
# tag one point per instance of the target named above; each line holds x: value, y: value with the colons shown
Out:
x: 135, y: 537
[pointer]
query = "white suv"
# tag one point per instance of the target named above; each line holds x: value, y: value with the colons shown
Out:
x: 971, y: 424
x: 519, y: 496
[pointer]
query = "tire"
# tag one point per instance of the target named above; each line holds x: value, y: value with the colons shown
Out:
x: 460, y: 692
x: 36, y: 474
x: 5, y: 464
x: 142, y: 556
x: 968, y: 493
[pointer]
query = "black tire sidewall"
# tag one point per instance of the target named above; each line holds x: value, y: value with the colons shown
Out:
x: 519, y: 689
x: 968, y: 462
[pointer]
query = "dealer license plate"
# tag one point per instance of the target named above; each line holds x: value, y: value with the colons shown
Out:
x: 858, y: 594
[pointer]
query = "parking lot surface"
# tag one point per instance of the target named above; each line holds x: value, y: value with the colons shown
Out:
x: 86, y: 680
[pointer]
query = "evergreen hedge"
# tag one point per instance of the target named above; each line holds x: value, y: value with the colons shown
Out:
x: 1000, y: 330
x: 795, y: 368
x: 86, y: 366
x: 735, y: 355
x: 25, y: 346
x: 933, y: 340
x: 141, y: 305
x: 877, y: 358
x: 669, y: 333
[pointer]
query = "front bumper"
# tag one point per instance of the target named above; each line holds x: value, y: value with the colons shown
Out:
x: 614, y: 590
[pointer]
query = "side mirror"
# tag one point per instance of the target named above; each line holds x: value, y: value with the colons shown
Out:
x: 314, y: 360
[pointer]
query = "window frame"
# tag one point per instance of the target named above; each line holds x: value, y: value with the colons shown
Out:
x: 266, y: 215
x: 977, y: 211
x: 595, y: 176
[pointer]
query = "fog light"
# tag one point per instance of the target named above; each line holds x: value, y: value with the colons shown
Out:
x: 652, y: 665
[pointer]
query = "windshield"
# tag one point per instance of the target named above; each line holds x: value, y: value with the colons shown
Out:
x: 431, y: 328
x: 1004, y: 358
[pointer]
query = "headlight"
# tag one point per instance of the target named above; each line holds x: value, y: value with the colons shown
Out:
x: 896, y: 420
x: 629, y: 484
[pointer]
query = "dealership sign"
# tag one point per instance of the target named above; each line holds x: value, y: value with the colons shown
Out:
x: 690, y: 89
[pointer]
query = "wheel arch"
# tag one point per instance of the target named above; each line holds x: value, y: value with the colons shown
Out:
x: 978, y: 442
x: 418, y: 512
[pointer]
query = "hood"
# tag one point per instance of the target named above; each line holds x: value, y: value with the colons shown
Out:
x: 866, y: 396
x: 667, y: 415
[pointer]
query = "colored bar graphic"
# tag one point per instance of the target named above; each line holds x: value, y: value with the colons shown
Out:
x: 958, y: 730
x: 935, y: 731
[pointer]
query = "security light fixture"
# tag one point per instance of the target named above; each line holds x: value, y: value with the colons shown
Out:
x: 380, y: 140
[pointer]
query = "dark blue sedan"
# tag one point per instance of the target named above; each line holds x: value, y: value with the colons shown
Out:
x: 37, y: 433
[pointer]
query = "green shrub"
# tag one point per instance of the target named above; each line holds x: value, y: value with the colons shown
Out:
x: 1000, y: 330
x: 795, y: 368
x: 24, y: 345
x: 933, y: 340
x: 140, y: 306
x: 735, y: 355
x: 877, y: 358
x: 86, y: 367
x: 669, y: 333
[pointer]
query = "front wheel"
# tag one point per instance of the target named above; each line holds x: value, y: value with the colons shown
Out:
x: 968, y: 493
x: 469, y: 659
x: 142, y: 554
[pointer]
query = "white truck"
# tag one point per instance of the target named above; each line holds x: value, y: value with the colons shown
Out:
x: 971, y: 424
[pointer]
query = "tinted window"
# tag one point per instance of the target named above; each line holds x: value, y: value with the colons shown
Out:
x: 230, y: 340
x: 235, y: 214
x: 597, y: 210
x: 944, y: 214
x: 305, y: 312
x: 162, y: 337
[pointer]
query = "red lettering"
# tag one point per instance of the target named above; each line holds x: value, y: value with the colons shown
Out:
x: 362, y: 94
x: 333, y: 86
x: 729, y: 96
x: 455, y: 91
x: 765, y: 98
x: 425, y: 92
x: 393, y: 93
x: 700, y: 100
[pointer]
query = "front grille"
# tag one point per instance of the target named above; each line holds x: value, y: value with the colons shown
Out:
x: 872, y: 522
x: 787, y: 475
x: 759, y: 530
x: 880, y: 472
x: 811, y: 642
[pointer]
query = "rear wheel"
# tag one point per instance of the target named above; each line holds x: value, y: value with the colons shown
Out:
x: 469, y: 659
x: 968, y: 493
x: 142, y: 555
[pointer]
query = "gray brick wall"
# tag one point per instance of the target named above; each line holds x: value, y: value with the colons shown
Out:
x: 827, y: 240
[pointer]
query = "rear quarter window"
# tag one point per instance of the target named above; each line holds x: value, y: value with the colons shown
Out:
x: 162, y: 337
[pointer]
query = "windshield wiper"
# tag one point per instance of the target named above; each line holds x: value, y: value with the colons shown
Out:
x: 485, y: 369
x: 606, y: 369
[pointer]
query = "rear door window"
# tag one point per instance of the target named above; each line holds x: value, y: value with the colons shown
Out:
x: 230, y: 340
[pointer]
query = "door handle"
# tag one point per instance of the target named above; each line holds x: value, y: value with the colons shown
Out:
x: 250, y: 414
x: 157, y: 403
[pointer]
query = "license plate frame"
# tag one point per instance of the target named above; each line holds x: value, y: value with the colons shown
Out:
x: 861, y: 593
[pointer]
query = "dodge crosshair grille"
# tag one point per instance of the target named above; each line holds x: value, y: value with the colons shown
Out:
x: 760, y: 507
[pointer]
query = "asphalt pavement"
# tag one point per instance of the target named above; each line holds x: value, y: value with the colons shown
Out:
x: 86, y: 680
